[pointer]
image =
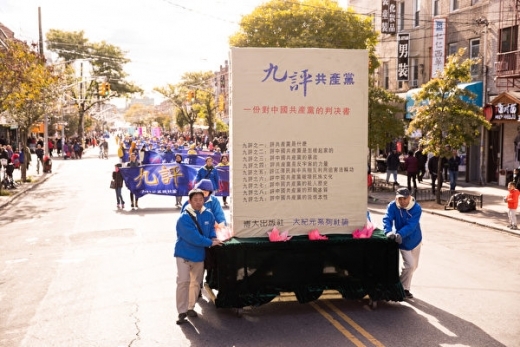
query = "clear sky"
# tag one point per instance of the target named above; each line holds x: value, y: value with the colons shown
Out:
x: 162, y: 38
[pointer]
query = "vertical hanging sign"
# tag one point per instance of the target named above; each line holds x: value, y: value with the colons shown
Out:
x: 388, y: 17
x: 439, y: 44
x: 403, y: 47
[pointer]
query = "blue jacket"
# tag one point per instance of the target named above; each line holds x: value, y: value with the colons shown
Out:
x: 212, y: 175
x: 213, y: 205
x: 190, y: 243
x: 406, y: 223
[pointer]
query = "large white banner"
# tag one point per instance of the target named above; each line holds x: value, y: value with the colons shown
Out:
x: 298, y: 140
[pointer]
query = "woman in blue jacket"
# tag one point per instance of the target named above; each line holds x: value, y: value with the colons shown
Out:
x: 210, y: 202
x: 209, y: 172
x: 401, y: 223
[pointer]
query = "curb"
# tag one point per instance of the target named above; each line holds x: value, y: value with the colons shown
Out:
x: 24, y: 189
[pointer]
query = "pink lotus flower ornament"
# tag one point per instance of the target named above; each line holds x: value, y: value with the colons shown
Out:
x: 276, y: 236
x: 364, y: 233
x: 314, y: 235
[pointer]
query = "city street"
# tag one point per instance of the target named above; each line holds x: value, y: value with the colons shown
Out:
x: 75, y: 271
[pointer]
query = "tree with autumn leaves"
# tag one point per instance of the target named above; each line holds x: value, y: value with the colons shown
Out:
x: 28, y: 90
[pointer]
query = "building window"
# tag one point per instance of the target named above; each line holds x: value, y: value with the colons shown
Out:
x: 400, y: 14
x: 415, y: 73
x: 416, y: 12
x: 508, y: 38
x: 436, y: 9
x: 454, y: 5
x: 386, y: 77
x: 473, y: 2
x: 452, y: 48
x: 474, y: 52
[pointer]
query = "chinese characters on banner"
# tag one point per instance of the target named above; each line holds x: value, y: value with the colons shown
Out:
x: 438, y: 46
x: 299, y: 140
x: 505, y: 112
x: 403, y: 48
x: 388, y: 17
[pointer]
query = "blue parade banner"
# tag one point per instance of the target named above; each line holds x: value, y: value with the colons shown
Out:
x: 168, y: 179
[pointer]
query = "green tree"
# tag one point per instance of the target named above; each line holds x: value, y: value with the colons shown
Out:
x: 306, y: 24
x: 442, y: 115
x: 383, y: 124
x: 106, y: 62
x: 193, y: 99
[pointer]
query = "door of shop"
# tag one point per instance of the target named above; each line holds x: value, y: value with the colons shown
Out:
x: 493, y: 161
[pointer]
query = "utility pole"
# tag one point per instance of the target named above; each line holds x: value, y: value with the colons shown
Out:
x: 485, y: 23
x: 45, y: 118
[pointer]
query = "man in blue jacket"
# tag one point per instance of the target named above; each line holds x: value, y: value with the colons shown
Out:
x: 195, y: 231
x: 401, y: 223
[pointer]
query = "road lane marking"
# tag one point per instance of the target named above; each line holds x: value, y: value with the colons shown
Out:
x: 338, y: 325
x: 356, y: 326
x: 14, y: 261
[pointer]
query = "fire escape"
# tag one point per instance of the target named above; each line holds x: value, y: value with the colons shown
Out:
x: 507, y: 65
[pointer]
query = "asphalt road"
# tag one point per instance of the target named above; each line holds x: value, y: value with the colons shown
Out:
x: 74, y: 271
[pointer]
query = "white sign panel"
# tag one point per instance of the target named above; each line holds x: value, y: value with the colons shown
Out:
x: 298, y: 140
x: 439, y: 46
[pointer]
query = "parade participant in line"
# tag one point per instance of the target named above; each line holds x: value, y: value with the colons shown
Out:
x: 210, y: 202
x: 195, y: 231
x: 209, y: 172
x: 178, y: 198
x: 133, y: 163
x: 118, y: 179
x: 401, y: 223
x: 224, y: 161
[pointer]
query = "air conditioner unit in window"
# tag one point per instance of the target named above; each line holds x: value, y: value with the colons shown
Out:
x: 414, y: 84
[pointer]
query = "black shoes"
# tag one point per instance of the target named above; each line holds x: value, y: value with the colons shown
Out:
x: 407, y: 294
x: 182, y: 318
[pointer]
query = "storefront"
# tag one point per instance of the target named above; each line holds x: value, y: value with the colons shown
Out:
x: 503, y: 145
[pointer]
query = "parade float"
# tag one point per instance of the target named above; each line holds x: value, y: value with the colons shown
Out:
x: 298, y: 140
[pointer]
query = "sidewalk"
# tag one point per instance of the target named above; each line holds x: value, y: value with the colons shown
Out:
x: 492, y: 215
x: 36, y: 179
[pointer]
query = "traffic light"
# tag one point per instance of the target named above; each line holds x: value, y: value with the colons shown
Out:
x: 101, y: 90
x: 191, y: 95
x: 107, y: 88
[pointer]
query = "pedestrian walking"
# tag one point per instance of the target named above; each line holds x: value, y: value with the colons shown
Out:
x: 392, y: 165
x: 453, y: 169
x: 421, y: 160
x: 411, y: 165
x: 401, y: 223
x: 433, y: 168
x: 39, y: 157
x: 512, y: 204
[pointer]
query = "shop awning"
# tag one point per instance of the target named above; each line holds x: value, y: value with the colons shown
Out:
x: 474, y: 87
